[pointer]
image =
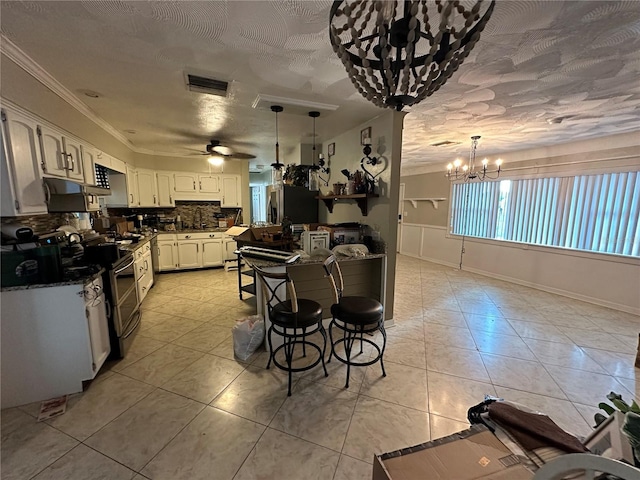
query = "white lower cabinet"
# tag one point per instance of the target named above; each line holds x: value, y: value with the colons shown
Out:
x: 54, y: 338
x: 212, y: 252
x: 189, y: 254
x: 167, y: 252
x: 144, y: 270
x: 229, y: 246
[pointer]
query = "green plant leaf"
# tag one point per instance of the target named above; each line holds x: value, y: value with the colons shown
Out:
x: 606, y: 407
x: 621, y: 405
x: 635, y: 408
x: 614, y: 396
x: 599, y: 418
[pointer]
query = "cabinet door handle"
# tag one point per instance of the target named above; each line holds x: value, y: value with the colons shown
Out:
x: 131, y: 195
x: 197, y: 248
x: 194, y: 185
x: 170, y: 199
x: 73, y: 162
x: 47, y: 193
x: 200, y: 185
x: 187, y: 236
x: 154, y: 199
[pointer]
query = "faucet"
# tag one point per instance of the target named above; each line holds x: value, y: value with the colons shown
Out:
x: 197, y: 212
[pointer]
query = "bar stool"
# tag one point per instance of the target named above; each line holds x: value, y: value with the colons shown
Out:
x: 294, y: 320
x: 355, y: 316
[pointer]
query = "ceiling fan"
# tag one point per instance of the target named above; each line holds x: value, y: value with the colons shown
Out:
x: 215, y: 148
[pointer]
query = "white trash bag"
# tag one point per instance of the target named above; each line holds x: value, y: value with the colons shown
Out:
x: 248, y: 335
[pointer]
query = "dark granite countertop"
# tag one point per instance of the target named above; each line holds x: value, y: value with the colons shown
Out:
x: 195, y: 230
x: 310, y: 260
x: 76, y: 281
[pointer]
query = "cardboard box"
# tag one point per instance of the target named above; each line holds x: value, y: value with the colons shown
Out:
x: 609, y: 437
x: 256, y: 234
x: 473, y: 454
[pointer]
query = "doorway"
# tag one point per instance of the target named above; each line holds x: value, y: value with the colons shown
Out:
x: 258, y: 204
x: 400, y: 216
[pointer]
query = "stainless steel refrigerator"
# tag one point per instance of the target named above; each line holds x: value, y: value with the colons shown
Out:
x: 297, y: 203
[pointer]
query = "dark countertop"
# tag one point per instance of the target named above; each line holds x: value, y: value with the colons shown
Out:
x: 77, y: 281
x: 194, y: 230
x: 310, y: 260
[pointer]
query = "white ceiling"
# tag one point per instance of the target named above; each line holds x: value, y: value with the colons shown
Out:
x: 537, y: 61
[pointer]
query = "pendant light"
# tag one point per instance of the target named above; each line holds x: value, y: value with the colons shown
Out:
x: 314, y: 184
x: 276, y: 172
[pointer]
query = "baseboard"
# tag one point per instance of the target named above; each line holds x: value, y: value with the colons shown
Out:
x: 556, y: 291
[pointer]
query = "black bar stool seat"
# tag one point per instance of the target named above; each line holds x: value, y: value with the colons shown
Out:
x: 354, y: 316
x: 309, y: 313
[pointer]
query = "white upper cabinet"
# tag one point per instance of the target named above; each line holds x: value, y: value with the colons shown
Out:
x: 165, y: 189
x: 186, y: 182
x: 231, y: 191
x: 22, y: 192
x: 73, y: 153
x: 89, y: 156
x: 61, y: 155
x: 133, y: 199
x: 54, y: 161
x: 147, y: 188
x: 209, y: 184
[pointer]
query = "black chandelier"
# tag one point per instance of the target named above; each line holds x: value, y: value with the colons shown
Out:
x: 398, y: 53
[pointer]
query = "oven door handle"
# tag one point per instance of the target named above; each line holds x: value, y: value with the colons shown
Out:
x: 133, y: 326
x: 107, y: 305
x: 123, y: 268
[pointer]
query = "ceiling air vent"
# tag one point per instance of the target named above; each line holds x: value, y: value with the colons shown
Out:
x: 211, y: 86
x: 446, y: 143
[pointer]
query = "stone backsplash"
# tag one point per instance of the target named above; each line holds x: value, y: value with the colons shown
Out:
x: 38, y: 223
x: 189, y: 212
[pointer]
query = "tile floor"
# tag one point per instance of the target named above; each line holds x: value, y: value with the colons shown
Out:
x: 181, y: 407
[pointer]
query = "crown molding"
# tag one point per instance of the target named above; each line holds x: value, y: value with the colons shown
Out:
x: 29, y: 65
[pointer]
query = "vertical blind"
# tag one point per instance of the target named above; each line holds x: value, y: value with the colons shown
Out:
x: 598, y: 213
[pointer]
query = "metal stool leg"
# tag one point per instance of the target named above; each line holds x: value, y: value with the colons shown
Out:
x: 348, y: 345
x: 331, y: 324
x: 361, y: 333
x: 324, y: 347
x: 304, y: 345
x: 270, y: 346
x: 384, y: 344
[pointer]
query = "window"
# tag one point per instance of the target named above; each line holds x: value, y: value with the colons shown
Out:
x: 597, y: 213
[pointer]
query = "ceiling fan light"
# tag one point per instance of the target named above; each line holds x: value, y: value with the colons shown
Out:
x: 215, y: 160
x: 222, y: 150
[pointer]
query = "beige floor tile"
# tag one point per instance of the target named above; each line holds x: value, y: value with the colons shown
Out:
x: 595, y: 339
x: 449, y: 335
x: 317, y: 413
x: 337, y: 371
x: 562, y: 412
x: 379, y: 427
x: 215, y: 441
x: 137, y: 435
x: 521, y: 375
x: 585, y: 388
x: 451, y: 397
x: 140, y: 348
x: 563, y: 354
x: 477, y: 308
x: 256, y: 394
x: 524, y: 313
x: 456, y: 361
x: 445, y: 317
x: 16, y: 418
x: 573, y: 320
x: 403, y: 385
x: 303, y: 460
x: 31, y: 447
x: 204, y: 338
x: 616, y: 364
x: 443, y: 427
x: 100, y: 404
x: 170, y: 330
x: 632, y: 386
x: 83, y: 462
x: 587, y: 412
x: 406, y: 352
x: 412, y: 329
x: 629, y: 343
x: 205, y: 378
x: 352, y: 469
x: 440, y: 303
x: 161, y: 365
x: 505, y: 345
x: 491, y: 324
x: 538, y: 331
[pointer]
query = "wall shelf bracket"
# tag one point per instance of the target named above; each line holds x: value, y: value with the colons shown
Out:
x: 434, y: 201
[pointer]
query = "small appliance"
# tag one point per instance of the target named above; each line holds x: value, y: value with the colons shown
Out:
x: 314, y: 240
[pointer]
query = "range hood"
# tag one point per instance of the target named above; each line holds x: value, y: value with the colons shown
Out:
x: 68, y: 196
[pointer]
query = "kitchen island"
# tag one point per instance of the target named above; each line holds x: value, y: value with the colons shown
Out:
x: 362, y: 275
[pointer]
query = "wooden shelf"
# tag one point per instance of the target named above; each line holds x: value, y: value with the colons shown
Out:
x: 362, y: 199
x: 434, y: 201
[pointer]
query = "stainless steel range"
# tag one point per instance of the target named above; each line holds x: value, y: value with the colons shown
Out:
x: 123, y: 304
